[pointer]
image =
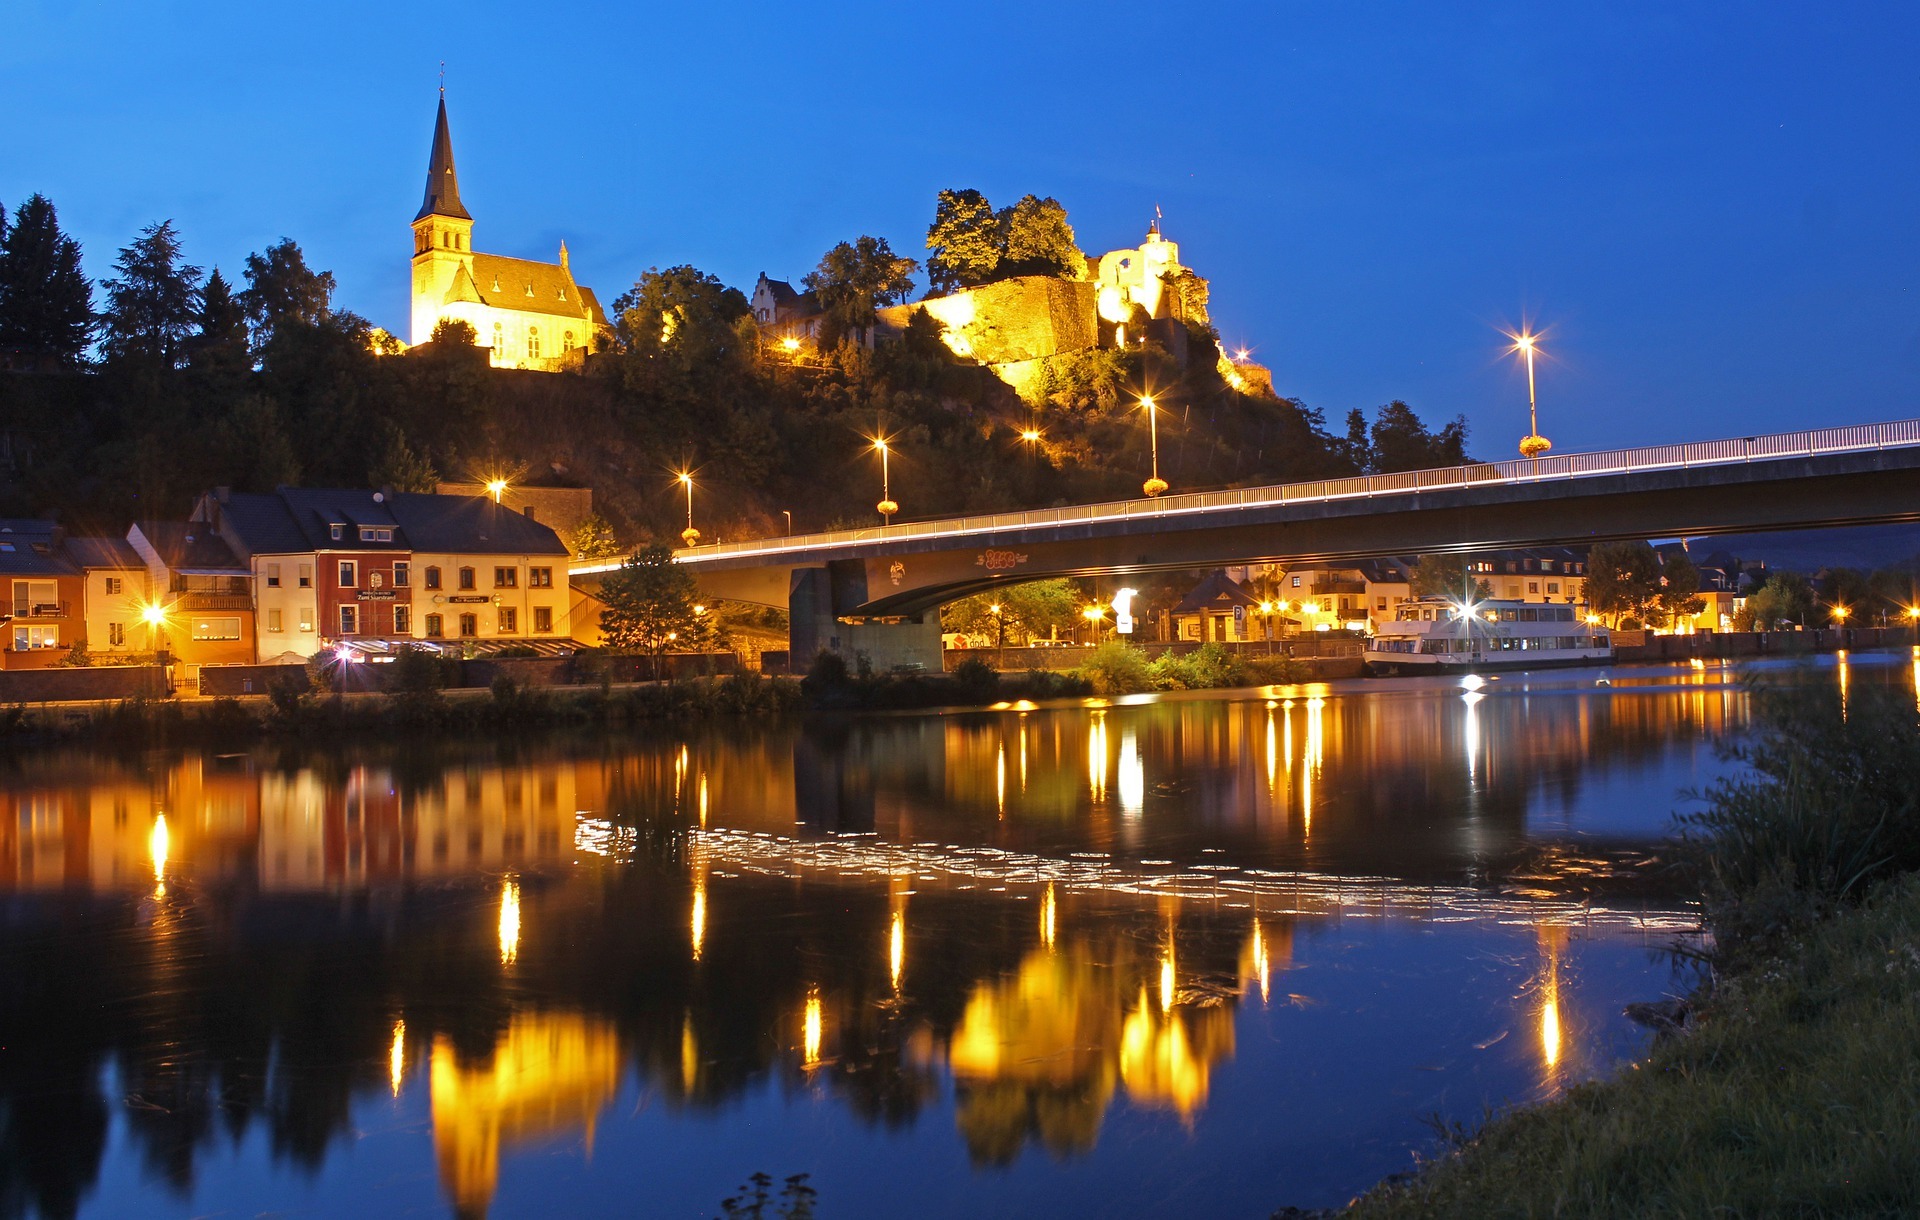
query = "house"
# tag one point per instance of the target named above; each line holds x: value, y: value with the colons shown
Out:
x: 201, y: 608
x: 46, y: 607
x: 783, y: 313
x: 370, y: 569
x: 116, y: 592
x: 1533, y: 574
x: 1218, y: 610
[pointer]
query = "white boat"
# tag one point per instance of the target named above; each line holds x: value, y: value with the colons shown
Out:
x: 1441, y: 635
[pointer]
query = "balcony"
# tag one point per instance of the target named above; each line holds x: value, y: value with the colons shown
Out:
x: 201, y: 599
x: 1330, y: 588
x: 32, y: 609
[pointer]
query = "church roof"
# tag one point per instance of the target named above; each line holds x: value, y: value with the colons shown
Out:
x: 781, y: 290
x: 443, y: 185
x: 529, y: 287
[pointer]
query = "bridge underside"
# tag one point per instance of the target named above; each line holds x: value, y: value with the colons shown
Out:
x: 905, y: 579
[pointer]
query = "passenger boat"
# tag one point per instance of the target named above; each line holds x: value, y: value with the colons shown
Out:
x: 1440, y: 635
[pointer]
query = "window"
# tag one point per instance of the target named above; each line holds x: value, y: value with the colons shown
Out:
x: 347, y: 573
x: 216, y: 629
x: 1296, y: 582
x: 402, y: 572
x: 509, y: 620
x: 469, y: 625
x: 403, y: 620
x: 543, y: 619
x: 499, y: 339
x: 466, y: 578
x: 506, y: 578
x: 27, y: 638
x: 116, y: 635
x: 273, y: 576
x: 1533, y: 586
x: 306, y: 620
x: 366, y: 533
x: 533, y: 339
x: 349, y: 620
x: 306, y: 576
x: 566, y: 340
x: 434, y: 630
x: 114, y: 586
x: 1553, y: 586
x: 539, y: 578
x: 433, y: 578
x: 274, y: 621
x: 337, y: 531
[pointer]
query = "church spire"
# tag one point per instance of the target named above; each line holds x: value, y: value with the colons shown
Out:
x: 443, y: 185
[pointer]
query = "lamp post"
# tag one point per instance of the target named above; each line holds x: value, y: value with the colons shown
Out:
x: 1155, y: 485
x: 496, y: 488
x: 886, y: 506
x: 1913, y: 616
x: 1093, y: 615
x: 1266, y: 624
x: 788, y: 514
x: 999, y: 613
x: 1532, y: 444
x: 689, y: 535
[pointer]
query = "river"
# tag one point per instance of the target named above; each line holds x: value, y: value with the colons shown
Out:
x: 1160, y: 955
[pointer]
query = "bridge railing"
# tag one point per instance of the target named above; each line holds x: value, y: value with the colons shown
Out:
x: 1897, y: 434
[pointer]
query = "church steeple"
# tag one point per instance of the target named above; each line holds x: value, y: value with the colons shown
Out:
x: 443, y: 185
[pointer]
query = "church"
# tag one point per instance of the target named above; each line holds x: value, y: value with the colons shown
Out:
x: 528, y: 315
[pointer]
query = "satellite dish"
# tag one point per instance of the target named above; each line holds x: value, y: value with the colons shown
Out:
x: 379, y: 497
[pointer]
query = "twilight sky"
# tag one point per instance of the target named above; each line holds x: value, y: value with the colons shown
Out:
x: 1712, y: 208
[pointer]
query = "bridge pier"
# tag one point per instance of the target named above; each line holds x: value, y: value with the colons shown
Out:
x: 814, y: 625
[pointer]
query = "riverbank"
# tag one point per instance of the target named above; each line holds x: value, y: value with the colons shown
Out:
x: 1790, y: 1083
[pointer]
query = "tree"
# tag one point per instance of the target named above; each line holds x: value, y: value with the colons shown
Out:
x: 1623, y: 583
x: 1786, y: 598
x: 649, y: 604
x: 220, y: 340
x: 46, y: 304
x: 854, y: 279
x: 681, y: 316
x: 1039, y: 241
x: 965, y: 241
x: 1401, y: 442
x: 1848, y: 588
x: 399, y: 467
x: 1445, y: 576
x: 1679, y: 586
x: 452, y: 332
x: 1025, y: 611
x: 1355, y: 447
x: 593, y: 539
x: 283, y: 292
x: 153, y: 301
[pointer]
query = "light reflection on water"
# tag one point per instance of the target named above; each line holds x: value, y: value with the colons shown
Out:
x: 1290, y: 925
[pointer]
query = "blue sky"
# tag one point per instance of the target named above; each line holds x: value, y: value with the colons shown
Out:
x: 1711, y: 207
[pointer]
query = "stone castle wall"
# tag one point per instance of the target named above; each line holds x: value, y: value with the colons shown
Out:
x: 1016, y: 320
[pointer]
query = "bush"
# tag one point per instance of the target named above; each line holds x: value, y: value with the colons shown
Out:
x: 977, y: 679
x: 420, y: 671
x: 827, y: 673
x: 1830, y: 805
x: 1263, y: 670
x: 1117, y: 669
x: 1205, y: 668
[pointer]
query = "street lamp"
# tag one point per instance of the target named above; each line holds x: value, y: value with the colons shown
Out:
x: 1913, y: 616
x: 886, y: 506
x: 1155, y: 485
x: 496, y: 488
x: 1532, y: 444
x: 1093, y: 615
x: 1266, y: 617
x: 788, y: 514
x: 689, y: 535
x: 1000, y: 634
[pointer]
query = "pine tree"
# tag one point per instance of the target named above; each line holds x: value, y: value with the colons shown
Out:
x: 153, y: 301
x: 283, y: 292
x: 220, y: 343
x: 46, y: 304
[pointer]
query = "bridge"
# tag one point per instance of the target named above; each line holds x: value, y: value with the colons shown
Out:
x: 877, y: 590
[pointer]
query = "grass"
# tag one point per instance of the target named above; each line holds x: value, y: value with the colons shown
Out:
x: 1796, y: 1090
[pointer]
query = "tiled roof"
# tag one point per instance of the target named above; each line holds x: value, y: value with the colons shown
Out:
x: 191, y: 547
x: 300, y: 519
x: 471, y: 524
x: 530, y: 287
x: 102, y: 553
x: 1213, y: 593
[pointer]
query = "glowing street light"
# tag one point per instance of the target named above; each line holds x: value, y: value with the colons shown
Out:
x: 790, y: 343
x: 496, y: 488
x: 1094, y: 616
x: 1030, y: 435
x: 689, y: 535
x: 886, y: 506
x: 1155, y: 485
x: 1532, y: 444
x: 1840, y: 614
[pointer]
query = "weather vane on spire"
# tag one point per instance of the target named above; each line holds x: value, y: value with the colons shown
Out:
x: 443, y: 79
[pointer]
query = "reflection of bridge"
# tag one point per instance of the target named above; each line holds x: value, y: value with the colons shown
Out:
x: 870, y: 589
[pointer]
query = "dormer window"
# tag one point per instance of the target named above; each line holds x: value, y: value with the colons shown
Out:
x: 366, y: 534
x: 529, y: 289
x: 337, y: 531
x: 563, y: 294
x: 496, y: 283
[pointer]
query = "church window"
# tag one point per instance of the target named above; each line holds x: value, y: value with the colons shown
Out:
x: 566, y: 342
x: 499, y: 339
x: 533, y: 343
x: 445, y: 240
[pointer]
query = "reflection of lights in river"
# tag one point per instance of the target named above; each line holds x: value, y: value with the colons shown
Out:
x: 1023, y: 752
x: 509, y: 921
x: 689, y: 1055
x: 1133, y: 776
x: 810, y: 1030
x: 703, y: 798
x: 157, y: 848
x: 1261, y: 965
x: 1916, y: 677
x: 699, y: 920
x: 1097, y: 756
x: 1000, y: 779
x: 1273, y: 752
x: 397, y: 1057
x: 1553, y: 943
x: 1316, y: 751
x: 679, y: 773
x: 897, y: 948
x: 1167, y: 973
x: 1841, y: 656
x: 1047, y: 916
x: 1471, y: 730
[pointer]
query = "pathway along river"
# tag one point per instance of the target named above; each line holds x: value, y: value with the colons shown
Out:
x: 1173, y: 955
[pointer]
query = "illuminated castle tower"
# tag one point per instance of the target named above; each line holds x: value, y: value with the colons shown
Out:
x: 529, y: 315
